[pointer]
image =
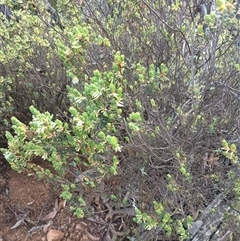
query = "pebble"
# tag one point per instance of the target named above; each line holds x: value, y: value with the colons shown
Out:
x: 85, y: 238
x: 78, y: 226
x: 54, y: 235
x: 45, y: 229
x: 63, y: 227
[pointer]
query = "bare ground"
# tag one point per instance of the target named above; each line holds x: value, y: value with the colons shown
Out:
x: 25, y: 202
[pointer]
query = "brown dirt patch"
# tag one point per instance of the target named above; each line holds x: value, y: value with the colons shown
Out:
x: 25, y: 198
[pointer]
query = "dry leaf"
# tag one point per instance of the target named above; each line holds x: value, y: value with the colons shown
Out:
x: 37, y: 228
x: 213, y: 160
x: 97, y: 200
x: 93, y: 238
x: 130, y: 211
x: 49, y: 216
x: 57, y: 208
x: 17, y: 224
x: 64, y: 202
x: 115, y: 233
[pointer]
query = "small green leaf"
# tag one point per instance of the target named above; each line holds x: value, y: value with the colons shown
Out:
x: 233, y: 147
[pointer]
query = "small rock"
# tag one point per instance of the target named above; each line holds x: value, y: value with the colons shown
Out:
x: 85, y: 238
x: 78, y: 226
x: 54, y: 235
x: 45, y: 229
x: 63, y: 227
x: 70, y: 230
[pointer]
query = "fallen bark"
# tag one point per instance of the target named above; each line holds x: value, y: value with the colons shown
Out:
x: 214, y: 222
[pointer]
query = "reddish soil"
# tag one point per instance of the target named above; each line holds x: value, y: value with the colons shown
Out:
x: 25, y: 198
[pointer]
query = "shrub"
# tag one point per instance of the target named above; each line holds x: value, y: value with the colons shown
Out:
x: 151, y: 84
x: 88, y: 135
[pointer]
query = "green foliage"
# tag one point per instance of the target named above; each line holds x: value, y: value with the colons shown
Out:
x: 229, y: 151
x: 164, y: 220
x: 90, y: 131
